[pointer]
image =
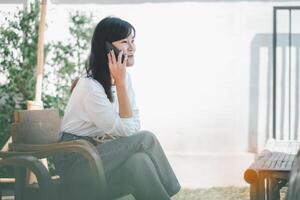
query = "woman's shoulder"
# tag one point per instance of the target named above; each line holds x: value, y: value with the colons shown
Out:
x: 89, y: 84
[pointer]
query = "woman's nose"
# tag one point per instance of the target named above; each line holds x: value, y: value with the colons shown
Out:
x: 131, y: 47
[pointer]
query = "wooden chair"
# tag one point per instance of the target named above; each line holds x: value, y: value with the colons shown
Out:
x: 35, y: 136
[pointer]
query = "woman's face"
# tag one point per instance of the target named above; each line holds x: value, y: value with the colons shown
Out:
x: 128, y: 47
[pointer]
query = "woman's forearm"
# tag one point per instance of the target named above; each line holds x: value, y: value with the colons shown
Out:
x: 125, y: 109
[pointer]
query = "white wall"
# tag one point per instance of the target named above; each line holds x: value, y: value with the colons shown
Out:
x: 199, y: 83
x: 193, y: 71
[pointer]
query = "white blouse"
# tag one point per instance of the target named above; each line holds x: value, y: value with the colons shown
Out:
x: 90, y: 113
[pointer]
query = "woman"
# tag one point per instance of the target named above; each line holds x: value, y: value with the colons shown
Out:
x: 102, y: 110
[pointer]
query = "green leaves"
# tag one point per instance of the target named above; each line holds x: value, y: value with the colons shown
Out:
x: 18, y: 39
x: 64, y: 62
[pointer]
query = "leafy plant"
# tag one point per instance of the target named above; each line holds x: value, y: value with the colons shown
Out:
x: 18, y: 50
x: 66, y: 61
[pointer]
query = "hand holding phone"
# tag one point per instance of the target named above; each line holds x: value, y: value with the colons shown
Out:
x: 109, y: 46
x: 117, y: 69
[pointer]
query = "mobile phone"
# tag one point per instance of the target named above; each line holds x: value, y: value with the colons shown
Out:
x: 109, y: 46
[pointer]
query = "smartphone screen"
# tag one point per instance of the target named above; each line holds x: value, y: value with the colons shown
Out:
x: 109, y: 46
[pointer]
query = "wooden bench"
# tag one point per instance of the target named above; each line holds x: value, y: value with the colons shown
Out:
x: 294, y: 181
x: 271, y: 170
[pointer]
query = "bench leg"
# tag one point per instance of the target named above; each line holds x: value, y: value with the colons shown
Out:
x: 261, y: 188
x: 254, y: 191
x: 20, y: 175
x: 273, y: 189
x: 257, y: 189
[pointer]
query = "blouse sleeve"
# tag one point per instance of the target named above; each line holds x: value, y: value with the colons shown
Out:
x: 105, y: 116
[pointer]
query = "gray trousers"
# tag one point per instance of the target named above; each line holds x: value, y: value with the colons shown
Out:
x: 134, y: 165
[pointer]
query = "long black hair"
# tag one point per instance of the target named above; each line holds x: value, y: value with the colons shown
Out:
x: 108, y: 29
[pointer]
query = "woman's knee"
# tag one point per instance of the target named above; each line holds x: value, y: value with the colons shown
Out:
x: 149, y: 136
x: 147, y: 133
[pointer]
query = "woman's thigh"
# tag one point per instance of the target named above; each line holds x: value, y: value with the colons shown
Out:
x: 114, y: 153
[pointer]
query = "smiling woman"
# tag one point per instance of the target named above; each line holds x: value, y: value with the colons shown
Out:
x: 102, y: 110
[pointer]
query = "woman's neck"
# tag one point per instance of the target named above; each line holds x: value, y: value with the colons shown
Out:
x: 113, y: 81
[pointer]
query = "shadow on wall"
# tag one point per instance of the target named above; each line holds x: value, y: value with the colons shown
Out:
x: 261, y: 89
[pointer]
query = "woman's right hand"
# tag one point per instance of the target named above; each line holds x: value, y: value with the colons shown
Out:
x: 117, y: 67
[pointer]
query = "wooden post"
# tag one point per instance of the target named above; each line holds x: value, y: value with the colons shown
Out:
x: 40, y: 55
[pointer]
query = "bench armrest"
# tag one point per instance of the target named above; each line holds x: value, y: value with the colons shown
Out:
x: 251, y: 173
x: 33, y: 164
x: 82, y: 147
